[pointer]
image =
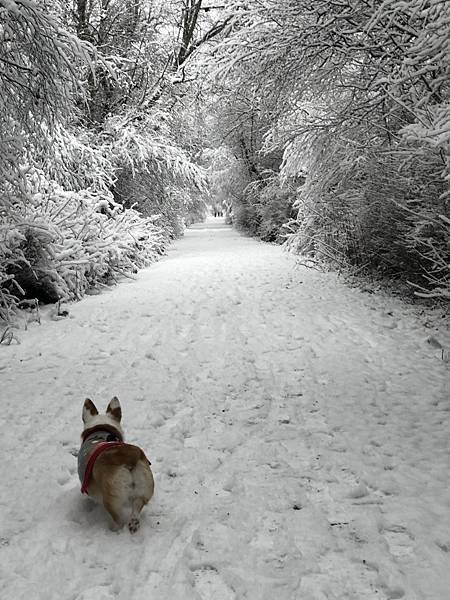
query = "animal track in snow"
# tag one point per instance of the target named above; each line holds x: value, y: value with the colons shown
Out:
x: 210, y: 585
x: 99, y: 592
x: 399, y: 540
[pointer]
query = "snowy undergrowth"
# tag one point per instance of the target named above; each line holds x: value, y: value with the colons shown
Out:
x: 297, y: 429
x: 73, y: 240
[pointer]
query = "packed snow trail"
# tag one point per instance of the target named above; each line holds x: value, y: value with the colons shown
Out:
x: 298, y: 432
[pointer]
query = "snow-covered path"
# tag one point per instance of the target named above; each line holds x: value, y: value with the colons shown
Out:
x: 298, y: 432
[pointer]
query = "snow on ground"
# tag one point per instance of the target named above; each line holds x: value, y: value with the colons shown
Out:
x: 298, y: 431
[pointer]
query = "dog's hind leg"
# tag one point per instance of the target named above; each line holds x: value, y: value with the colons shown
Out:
x: 136, y: 506
x: 113, y: 505
x: 142, y: 490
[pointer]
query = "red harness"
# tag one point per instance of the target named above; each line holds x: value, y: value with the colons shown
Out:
x: 99, y: 448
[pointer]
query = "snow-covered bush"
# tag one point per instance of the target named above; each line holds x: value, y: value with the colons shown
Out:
x: 153, y: 195
x: 372, y: 209
x: 274, y: 208
x: 71, y: 241
x: 380, y: 209
x: 264, y: 207
x: 152, y: 172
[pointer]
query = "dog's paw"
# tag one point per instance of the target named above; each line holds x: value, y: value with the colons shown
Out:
x: 133, y: 525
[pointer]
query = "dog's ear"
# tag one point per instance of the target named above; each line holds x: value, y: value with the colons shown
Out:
x: 89, y: 410
x: 114, y: 409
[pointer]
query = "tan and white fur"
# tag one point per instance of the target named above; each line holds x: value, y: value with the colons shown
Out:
x: 121, y: 478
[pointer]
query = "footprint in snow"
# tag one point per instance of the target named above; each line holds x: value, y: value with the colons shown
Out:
x: 63, y: 478
x: 358, y: 491
x: 393, y: 592
x: 99, y: 592
x: 209, y: 584
x: 443, y: 545
x: 400, y: 540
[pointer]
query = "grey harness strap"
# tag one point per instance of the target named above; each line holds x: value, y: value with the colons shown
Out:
x: 88, y: 446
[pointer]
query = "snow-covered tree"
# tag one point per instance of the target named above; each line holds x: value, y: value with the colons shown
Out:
x: 92, y: 100
x: 357, y: 100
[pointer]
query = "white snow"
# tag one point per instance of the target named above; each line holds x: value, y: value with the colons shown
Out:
x: 298, y: 431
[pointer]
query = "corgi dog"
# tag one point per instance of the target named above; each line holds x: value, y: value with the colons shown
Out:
x: 114, y: 473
